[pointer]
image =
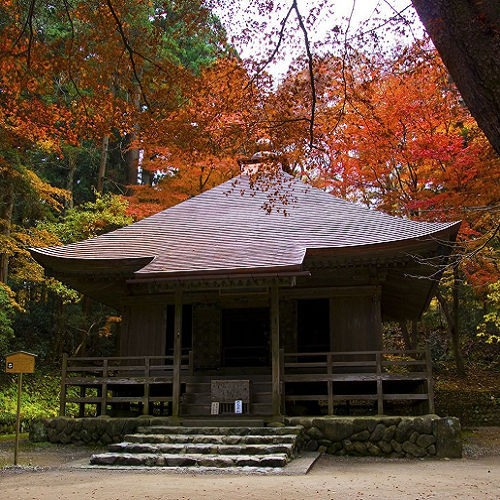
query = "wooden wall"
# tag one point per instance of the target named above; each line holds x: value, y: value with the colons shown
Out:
x: 143, y: 330
x: 355, y: 323
x: 207, y: 335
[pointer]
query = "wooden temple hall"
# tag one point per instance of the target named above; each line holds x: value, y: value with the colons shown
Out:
x: 229, y: 309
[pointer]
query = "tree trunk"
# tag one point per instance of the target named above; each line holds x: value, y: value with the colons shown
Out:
x: 455, y: 339
x: 7, y: 207
x: 132, y: 160
x: 70, y: 180
x: 132, y: 155
x: 102, y: 164
x: 452, y: 325
x: 409, y: 336
x: 466, y: 34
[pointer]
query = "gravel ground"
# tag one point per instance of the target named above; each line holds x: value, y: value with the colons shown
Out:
x: 49, y: 473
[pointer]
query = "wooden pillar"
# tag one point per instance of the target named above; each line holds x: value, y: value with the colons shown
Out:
x: 275, y: 350
x: 380, y: 391
x: 147, y: 374
x: 430, y: 389
x: 62, y: 403
x: 104, y: 388
x: 176, y: 379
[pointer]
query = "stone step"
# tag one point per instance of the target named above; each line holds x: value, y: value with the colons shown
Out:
x: 200, y: 448
x: 205, y: 408
x: 236, y: 431
x: 230, y: 439
x: 188, y: 460
x: 221, y: 421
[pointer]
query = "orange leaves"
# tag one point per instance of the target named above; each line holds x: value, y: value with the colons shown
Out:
x: 54, y: 197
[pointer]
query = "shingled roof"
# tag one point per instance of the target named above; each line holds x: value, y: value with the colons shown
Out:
x: 227, y: 229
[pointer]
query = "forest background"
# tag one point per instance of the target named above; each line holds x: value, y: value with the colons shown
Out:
x: 111, y: 111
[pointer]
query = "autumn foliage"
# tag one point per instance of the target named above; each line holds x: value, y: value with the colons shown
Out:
x: 113, y: 110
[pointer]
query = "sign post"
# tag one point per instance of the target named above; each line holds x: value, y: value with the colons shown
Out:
x: 19, y: 362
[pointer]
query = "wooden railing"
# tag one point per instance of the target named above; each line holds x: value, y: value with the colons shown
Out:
x: 106, y: 375
x: 344, y: 369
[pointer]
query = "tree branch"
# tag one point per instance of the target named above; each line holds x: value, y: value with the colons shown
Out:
x: 130, y: 51
x: 275, y: 51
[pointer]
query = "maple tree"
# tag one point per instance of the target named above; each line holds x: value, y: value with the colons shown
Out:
x: 78, y: 81
x: 195, y: 147
x: 393, y: 134
x: 148, y: 100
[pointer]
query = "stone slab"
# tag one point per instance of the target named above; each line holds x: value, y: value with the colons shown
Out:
x: 297, y: 467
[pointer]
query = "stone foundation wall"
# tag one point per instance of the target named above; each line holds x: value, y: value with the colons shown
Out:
x: 99, y: 430
x: 395, y: 437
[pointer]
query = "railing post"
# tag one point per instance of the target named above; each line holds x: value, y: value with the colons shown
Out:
x: 62, y: 401
x: 430, y: 389
x: 380, y: 394
x: 81, y: 405
x: 282, y: 380
x: 176, y: 376
x: 191, y: 363
x: 147, y: 372
x: 104, y: 387
x: 329, y: 383
x: 275, y: 350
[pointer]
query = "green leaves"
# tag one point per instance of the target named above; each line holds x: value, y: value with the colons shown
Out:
x: 6, y: 317
x: 489, y: 328
x: 91, y: 219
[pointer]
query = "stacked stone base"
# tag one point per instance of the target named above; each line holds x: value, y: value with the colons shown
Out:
x: 393, y: 437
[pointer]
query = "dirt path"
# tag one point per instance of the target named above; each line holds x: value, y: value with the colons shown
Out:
x: 474, y: 477
x: 331, y: 478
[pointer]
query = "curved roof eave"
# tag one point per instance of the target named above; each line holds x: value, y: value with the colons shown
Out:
x: 135, y: 265
x: 449, y: 231
x: 88, y: 265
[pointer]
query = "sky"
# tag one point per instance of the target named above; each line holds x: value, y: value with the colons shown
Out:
x: 254, y: 31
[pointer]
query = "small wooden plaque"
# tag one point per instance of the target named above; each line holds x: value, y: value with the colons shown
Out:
x: 228, y: 391
x: 20, y: 362
x: 214, y: 410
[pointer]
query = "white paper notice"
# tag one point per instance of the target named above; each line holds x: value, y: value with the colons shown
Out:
x: 238, y: 406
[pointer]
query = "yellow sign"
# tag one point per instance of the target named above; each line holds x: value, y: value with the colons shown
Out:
x: 20, y: 362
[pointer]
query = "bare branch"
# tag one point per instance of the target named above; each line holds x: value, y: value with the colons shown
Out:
x: 454, y: 260
x: 344, y: 79
x: 130, y: 50
x: 276, y: 48
x: 311, y: 72
x: 27, y: 23
x: 381, y: 25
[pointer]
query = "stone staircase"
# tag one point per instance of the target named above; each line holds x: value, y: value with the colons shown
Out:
x: 208, y: 447
x: 196, y: 398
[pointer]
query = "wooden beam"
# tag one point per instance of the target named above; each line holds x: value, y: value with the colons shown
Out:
x: 325, y: 292
x: 176, y: 389
x: 275, y: 350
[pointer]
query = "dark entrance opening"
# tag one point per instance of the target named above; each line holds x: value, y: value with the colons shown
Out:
x: 313, y: 328
x: 187, y: 329
x: 245, y: 337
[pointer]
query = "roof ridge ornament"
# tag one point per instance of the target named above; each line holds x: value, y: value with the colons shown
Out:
x: 261, y: 160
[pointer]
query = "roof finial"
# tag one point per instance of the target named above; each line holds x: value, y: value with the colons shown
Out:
x: 264, y: 154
